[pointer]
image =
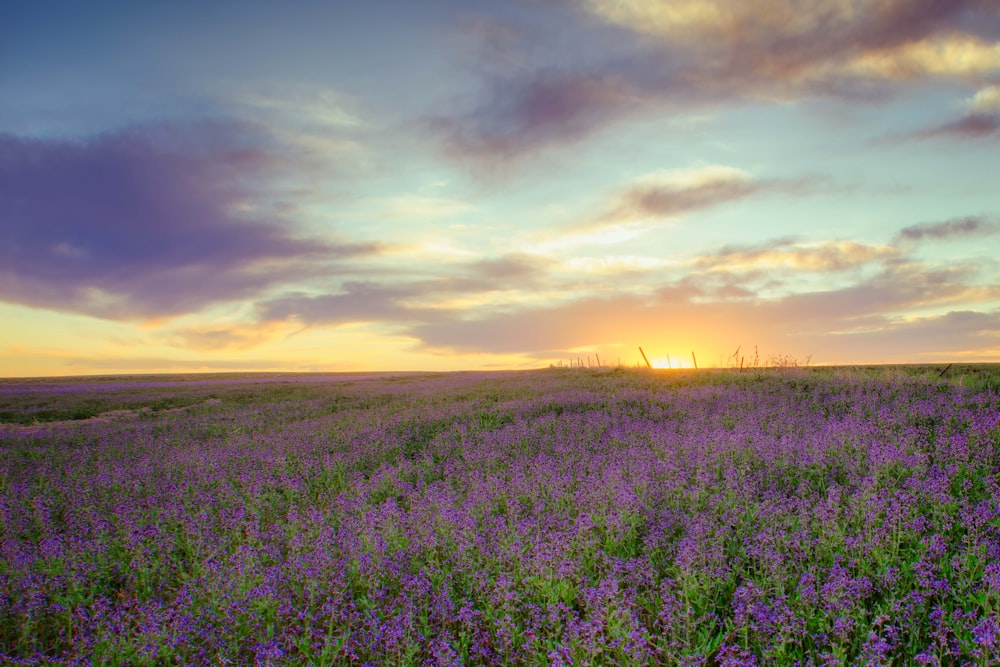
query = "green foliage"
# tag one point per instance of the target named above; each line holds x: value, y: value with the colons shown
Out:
x: 606, y: 516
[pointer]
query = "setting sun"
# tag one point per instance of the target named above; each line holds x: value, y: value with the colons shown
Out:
x: 670, y: 362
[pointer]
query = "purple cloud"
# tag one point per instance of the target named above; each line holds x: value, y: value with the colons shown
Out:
x: 358, y: 302
x: 508, y: 270
x: 958, y: 228
x: 145, y: 222
x: 973, y: 126
x: 522, y: 115
x: 388, y: 302
x: 674, y: 193
x: 667, y: 199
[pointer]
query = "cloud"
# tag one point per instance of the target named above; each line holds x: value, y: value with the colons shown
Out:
x: 679, y: 56
x: 522, y: 115
x: 954, y: 335
x: 974, y: 126
x: 670, y: 194
x: 986, y: 101
x: 312, y: 107
x: 675, y: 192
x: 827, y: 256
x: 981, y: 120
x: 147, y: 222
x: 728, y: 296
x: 617, y: 265
x: 319, y: 123
x: 901, y: 287
x: 949, y: 55
x: 235, y: 336
x: 798, y: 41
x: 971, y: 227
x: 358, y: 302
x: 412, y: 301
x: 516, y: 269
x: 415, y: 207
x: 699, y: 310
x: 535, y: 330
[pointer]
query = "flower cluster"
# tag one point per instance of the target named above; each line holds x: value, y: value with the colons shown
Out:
x: 558, y: 517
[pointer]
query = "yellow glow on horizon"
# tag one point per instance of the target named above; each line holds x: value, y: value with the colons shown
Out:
x: 672, y: 363
x: 45, y: 343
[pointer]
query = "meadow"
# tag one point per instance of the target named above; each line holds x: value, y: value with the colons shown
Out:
x: 551, y: 517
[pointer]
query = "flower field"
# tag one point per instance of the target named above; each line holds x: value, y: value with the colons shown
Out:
x: 557, y: 517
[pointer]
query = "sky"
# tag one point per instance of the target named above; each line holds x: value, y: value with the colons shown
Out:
x: 482, y: 184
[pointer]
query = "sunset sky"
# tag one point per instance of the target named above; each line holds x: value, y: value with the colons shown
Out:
x: 436, y: 185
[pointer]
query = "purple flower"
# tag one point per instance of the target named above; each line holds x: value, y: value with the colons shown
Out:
x: 734, y: 656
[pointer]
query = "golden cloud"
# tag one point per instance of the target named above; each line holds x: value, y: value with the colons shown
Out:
x: 808, y: 42
x: 944, y: 56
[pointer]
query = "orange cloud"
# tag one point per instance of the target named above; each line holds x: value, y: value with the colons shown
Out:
x: 829, y: 325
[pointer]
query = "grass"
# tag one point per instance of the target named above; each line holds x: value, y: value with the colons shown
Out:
x: 568, y: 516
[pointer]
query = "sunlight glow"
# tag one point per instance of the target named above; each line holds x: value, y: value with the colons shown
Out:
x: 671, y: 362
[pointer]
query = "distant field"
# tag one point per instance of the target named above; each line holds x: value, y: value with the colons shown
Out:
x: 566, y: 516
x: 44, y: 400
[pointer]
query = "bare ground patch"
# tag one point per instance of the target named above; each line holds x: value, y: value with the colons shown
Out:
x: 104, y: 417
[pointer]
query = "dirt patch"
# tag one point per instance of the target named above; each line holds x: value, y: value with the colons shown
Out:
x: 104, y: 417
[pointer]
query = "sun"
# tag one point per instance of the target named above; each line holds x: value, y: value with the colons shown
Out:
x: 671, y: 363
